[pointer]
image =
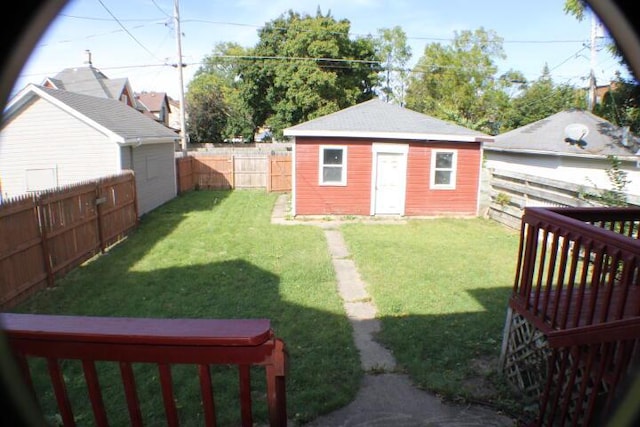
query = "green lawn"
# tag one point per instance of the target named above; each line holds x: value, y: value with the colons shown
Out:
x: 441, y: 287
x: 215, y: 255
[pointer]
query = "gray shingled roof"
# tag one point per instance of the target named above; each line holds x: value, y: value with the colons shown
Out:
x: 548, y: 136
x: 88, y: 81
x: 383, y: 119
x: 113, y: 115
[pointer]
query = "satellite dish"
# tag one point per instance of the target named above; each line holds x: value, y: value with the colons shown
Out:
x: 575, y: 131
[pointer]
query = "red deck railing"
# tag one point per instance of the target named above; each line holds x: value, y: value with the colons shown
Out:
x: 578, y: 282
x: 163, y: 342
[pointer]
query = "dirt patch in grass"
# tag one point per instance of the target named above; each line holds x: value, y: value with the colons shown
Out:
x: 479, y: 385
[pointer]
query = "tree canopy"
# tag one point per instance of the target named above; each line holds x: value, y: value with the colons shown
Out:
x: 457, y: 82
x: 206, y: 108
x: 540, y: 99
x: 394, y: 54
x: 305, y: 67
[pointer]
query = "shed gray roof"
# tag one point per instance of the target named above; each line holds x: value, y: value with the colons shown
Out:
x: 548, y: 136
x: 88, y: 81
x: 127, y: 124
x: 378, y: 119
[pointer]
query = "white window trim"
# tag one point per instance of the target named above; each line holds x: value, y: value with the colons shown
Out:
x: 454, y: 170
x: 343, y: 180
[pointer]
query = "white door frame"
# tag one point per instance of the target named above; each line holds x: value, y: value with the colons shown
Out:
x: 386, y: 148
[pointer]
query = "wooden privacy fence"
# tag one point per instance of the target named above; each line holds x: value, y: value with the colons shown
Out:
x: 43, y: 236
x: 511, y: 192
x: 234, y: 171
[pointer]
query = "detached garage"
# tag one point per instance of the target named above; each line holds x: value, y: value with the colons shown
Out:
x: 377, y: 158
x: 52, y: 138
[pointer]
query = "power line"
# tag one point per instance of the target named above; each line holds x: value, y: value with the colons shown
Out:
x: 240, y: 24
x: 126, y: 30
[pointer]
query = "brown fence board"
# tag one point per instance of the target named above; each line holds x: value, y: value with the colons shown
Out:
x: 22, y: 265
x: 69, y: 216
x: 229, y: 171
x: 250, y: 171
x: 185, y: 174
x: 280, y: 173
x: 43, y: 236
x: 117, y: 209
x: 213, y: 172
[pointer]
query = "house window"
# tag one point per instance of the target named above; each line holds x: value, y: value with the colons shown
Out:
x: 333, y: 165
x: 153, y: 168
x: 40, y: 179
x: 443, y: 169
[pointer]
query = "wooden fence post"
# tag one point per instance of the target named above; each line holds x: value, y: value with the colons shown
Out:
x: 43, y: 236
x: 99, y: 213
x: 233, y: 171
x: 269, y: 173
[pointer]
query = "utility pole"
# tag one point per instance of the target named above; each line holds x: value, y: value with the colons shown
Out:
x: 180, y: 65
x: 592, y: 76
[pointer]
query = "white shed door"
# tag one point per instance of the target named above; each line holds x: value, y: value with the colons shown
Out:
x: 390, y: 183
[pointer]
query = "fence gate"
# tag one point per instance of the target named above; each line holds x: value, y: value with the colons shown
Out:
x: 250, y: 171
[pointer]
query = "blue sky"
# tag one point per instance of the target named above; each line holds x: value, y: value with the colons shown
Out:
x: 136, y: 38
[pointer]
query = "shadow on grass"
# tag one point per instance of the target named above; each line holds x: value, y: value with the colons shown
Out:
x: 456, y: 355
x: 316, y: 383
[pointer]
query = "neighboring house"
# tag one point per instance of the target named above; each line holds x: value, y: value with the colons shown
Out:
x: 601, y: 91
x: 381, y: 159
x: 90, y: 81
x: 570, y: 146
x: 174, y: 114
x: 51, y: 138
x: 155, y: 105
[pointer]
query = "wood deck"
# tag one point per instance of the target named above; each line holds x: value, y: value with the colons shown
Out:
x: 579, y: 307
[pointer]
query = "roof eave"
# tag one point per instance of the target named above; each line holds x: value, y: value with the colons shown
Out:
x: 144, y: 140
x: 629, y: 157
x: 387, y: 135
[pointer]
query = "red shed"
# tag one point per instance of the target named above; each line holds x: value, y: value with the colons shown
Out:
x: 376, y: 158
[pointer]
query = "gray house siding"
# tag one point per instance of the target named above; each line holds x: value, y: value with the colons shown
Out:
x: 34, y: 157
x: 54, y: 138
x: 155, y: 184
x: 126, y: 158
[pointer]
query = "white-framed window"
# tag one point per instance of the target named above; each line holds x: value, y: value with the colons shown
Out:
x: 153, y: 167
x: 40, y: 179
x: 444, y: 165
x: 333, y: 165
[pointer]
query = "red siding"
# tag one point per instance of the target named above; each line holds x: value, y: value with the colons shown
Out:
x: 355, y: 198
x: 421, y: 200
x: 315, y: 199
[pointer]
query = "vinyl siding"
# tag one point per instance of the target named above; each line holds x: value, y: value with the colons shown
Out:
x: 422, y: 200
x: 154, y: 167
x: 580, y: 171
x: 74, y: 150
x: 314, y: 199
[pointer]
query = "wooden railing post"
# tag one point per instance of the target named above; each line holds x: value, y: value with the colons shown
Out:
x: 245, y: 343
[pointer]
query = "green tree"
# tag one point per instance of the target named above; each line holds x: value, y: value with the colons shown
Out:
x: 223, y: 65
x: 580, y: 10
x: 541, y: 99
x: 207, y: 110
x: 621, y: 104
x: 457, y: 82
x: 305, y: 67
x: 617, y: 194
x: 394, y: 54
